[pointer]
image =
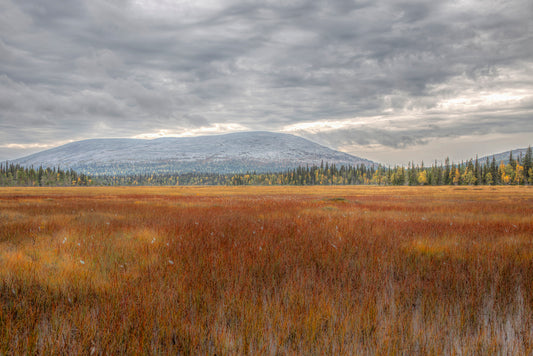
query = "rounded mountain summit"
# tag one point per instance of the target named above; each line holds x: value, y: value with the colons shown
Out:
x: 258, y: 151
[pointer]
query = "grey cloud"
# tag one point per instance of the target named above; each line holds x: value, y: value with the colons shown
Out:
x: 405, y: 135
x: 366, y: 135
x: 79, y: 67
x: 196, y: 120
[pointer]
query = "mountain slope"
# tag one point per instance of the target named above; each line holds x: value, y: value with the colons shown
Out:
x: 504, y: 156
x: 238, y: 152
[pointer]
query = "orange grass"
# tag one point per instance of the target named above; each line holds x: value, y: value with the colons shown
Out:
x: 266, y: 270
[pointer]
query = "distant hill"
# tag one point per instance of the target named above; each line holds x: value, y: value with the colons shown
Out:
x: 504, y: 156
x: 231, y: 153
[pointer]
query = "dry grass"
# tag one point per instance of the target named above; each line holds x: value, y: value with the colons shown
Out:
x: 266, y: 270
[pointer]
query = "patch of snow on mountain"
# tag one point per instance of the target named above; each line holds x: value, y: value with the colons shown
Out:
x: 259, y: 151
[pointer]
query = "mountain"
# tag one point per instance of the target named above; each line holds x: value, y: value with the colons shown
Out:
x: 504, y: 156
x: 230, y: 153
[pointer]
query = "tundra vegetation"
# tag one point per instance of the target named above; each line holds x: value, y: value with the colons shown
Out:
x: 266, y: 270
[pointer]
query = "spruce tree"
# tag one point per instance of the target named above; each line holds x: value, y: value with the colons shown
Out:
x: 528, y: 163
x: 477, y: 172
x: 512, y: 162
x: 494, y: 171
x: 447, y: 179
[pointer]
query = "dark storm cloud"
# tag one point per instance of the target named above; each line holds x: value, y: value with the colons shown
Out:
x: 79, y: 69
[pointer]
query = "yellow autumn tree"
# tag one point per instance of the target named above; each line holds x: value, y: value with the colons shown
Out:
x: 456, y: 176
x: 504, y: 174
x: 423, y: 177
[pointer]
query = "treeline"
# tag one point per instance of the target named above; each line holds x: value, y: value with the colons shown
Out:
x: 517, y: 171
x: 16, y: 175
x: 314, y: 175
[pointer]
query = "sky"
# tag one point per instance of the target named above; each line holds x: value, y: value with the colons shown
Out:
x: 392, y: 81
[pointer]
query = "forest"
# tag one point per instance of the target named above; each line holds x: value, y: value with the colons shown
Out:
x: 515, y: 171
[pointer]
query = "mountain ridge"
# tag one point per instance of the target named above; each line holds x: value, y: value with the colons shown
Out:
x: 259, y: 151
x: 504, y: 156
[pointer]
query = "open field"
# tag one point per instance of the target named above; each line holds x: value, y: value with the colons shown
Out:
x: 269, y: 270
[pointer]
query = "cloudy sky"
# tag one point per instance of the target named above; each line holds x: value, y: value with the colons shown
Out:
x: 388, y: 80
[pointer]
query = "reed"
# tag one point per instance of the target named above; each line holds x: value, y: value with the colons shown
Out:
x: 266, y: 270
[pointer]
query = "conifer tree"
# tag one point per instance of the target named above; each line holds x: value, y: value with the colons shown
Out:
x: 494, y: 171
x: 447, y: 171
x: 477, y: 171
x: 528, y: 164
x: 512, y: 162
